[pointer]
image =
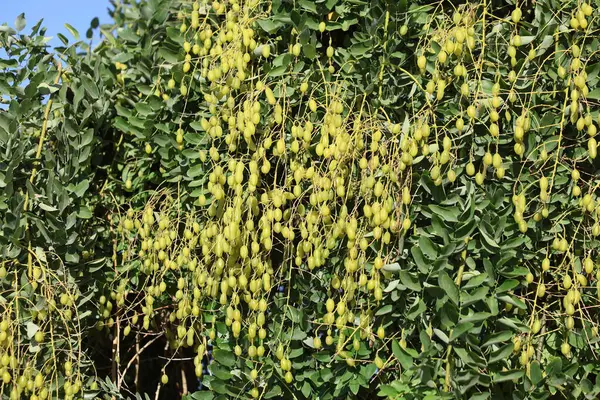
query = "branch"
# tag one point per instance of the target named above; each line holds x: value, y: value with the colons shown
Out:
x: 134, y: 358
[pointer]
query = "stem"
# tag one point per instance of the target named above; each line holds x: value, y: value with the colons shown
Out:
x: 38, y: 152
x: 114, y: 353
x: 157, y: 394
x: 184, y: 389
x: 458, y: 282
x: 385, y: 34
x: 135, y: 358
x: 137, y: 362
x: 448, y: 368
x: 560, y: 135
x: 540, y: 346
x: 459, y: 275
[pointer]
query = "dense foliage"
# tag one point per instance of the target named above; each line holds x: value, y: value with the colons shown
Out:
x: 309, y: 199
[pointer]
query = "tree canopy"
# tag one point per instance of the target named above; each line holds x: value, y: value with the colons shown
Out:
x: 308, y: 199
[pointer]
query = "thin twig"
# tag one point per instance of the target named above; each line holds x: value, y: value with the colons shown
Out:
x: 137, y: 362
x: 156, y: 396
x: 540, y: 346
x: 135, y: 357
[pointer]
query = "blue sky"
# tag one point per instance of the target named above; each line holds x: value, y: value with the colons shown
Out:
x: 55, y: 13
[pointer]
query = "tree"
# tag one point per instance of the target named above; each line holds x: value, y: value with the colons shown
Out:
x: 330, y: 199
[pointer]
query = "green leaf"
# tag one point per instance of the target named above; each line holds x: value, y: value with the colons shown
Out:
x: 419, y: 259
x: 222, y: 373
x: 20, y: 22
x: 514, y: 243
x: 507, y: 285
x: 308, y: 5
x: 384, y: 310
x: 354, y: 387
x: 90, y: 86
x: 394, y: 267
x: 270, y: 25
x: 507, y: 298
x: 306, y: 389
x: 72, y: 257
x: 594, y: 94
x: 31, y: 329
x: 501, y: 354
x: 488, y: 239
x: 448, y: 286
x: 460, y: 330
x: 195, y: 171
x: 403, y: 357
x: 81, y: 188
x: 84, y: 212
x: 143, y: 109
x: 310, y: 51
x: 504, y: 376
x: 449, y: 214
x: 367, y: 371
x: 526, y: 40
x: 428, y: 247
x: 410, y: 281
x: 473, y: 280
x: 554, y: 367
x: 535, y: 372
x: 44, y: 88
x: 63, y: 39
x: 326, y: 374
x: 443, y: 337
x: 73, y: 31
x: 388, y: 391
x: 47, y: 207
x: 128, y: 35
x: 515, y: 324
x: 224, y: 357
x: 295, y: 314
x: 499, y: 337
x: 278, y: 71
x: 274, y: 392
x: 203, y: 395
x: 416, y: 309
x: 330, y: 3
